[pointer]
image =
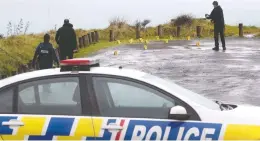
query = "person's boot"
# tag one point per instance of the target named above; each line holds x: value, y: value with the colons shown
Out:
x: 215, y: 48
x: 224, y: 48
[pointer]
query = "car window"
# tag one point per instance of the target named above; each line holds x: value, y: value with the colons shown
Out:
x: 125, y: 95
x: 117, y: 97
x: 197, y: 98
x: 6, y: 101
x: 50, y: 96
x: 27, y: 98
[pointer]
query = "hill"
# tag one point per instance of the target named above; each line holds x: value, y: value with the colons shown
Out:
x: 18, y: 49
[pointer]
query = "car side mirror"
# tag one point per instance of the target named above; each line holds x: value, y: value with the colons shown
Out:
x: 178, y: 113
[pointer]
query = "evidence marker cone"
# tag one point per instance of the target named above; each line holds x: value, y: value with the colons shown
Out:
x: 131, y: 41
x: 198, y: 44
x: 118, y: 41
x: 115, y: 52
x: 145, y: 47
x: 188, y: 38
x: 141, y: 40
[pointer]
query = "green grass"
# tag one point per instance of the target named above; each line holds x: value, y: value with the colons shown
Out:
x: 18, y: 50
x: 83, y: 52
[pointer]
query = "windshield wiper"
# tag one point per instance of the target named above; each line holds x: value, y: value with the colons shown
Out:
x: 223, y: 106
x: 220, y: 105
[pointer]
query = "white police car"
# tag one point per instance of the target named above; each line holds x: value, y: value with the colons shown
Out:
x: 82, y: 101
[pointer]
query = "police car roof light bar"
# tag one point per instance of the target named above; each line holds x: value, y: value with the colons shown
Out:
x: 78, y: 64
x: 78, y: 61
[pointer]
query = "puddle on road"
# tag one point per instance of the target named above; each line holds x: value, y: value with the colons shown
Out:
x: 243, y: 60
x: 255, y: 68
x: 235, y: 66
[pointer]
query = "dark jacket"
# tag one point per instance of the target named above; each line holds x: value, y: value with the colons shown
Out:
x: 66, y: 38
x: 45, y: 55
x: 217, y: 17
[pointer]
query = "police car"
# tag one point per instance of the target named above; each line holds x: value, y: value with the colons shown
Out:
x: 83, y: 101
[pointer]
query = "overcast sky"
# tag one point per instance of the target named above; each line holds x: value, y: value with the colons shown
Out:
x: 44, y: 14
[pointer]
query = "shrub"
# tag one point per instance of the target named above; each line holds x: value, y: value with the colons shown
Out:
x: 145, y: 23
x: 183, y: 20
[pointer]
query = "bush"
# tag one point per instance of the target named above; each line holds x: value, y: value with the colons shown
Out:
x: 183, y: 20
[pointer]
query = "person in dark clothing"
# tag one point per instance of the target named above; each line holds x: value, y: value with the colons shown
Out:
x: 67, y: 40
x: 45, y: 54
x: 217, y: 17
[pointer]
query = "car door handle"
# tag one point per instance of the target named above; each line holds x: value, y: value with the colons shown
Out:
x: 12, y: 123
x: 113, y: 127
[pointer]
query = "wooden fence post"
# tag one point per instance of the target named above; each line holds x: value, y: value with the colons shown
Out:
x: 13, y: 73
x: 20, y: 69
x: 80, y: 42
x: 111, y: 36
x: 178, y: 31
x: 83, y: 41
x: 97, y: 36
x: 93, y: 37
x: 86, y: 40
x: 241, y: 30
x: 3, y: 76
x: 89, y: 38
x: 29, y: 64
x: 199, y: 31
x: 138, y: 32
x: 160, y: 34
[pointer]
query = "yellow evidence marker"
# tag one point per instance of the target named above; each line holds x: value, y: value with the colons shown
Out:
x: 118, y: 41
x: 198, y: 44
x: 145, y: 47
x: 188, y: 38
x: 116, y: 52
x: 131, y: 41
x: 166, y: 41
x: 141, y: 40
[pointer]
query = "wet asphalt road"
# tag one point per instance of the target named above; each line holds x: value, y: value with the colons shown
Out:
x: 231, y: 76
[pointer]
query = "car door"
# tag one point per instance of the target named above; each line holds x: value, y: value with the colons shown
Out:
x: 49, y: 108
x: 133, y: 110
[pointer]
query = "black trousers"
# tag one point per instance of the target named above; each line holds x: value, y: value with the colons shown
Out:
x: 64, y: 55
x: 219, y: 31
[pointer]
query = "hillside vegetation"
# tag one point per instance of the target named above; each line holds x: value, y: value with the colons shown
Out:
x: 18, y: 47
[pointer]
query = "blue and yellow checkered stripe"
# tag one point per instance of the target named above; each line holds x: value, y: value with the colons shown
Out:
x: 49, y: 128
x: 86, y: 128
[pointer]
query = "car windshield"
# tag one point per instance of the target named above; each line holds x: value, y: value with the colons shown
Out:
x: 187, y: 93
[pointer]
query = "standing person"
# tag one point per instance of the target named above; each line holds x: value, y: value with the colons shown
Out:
x: 45, y: 55
x: 67, y: 40
x: 217, y: 17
